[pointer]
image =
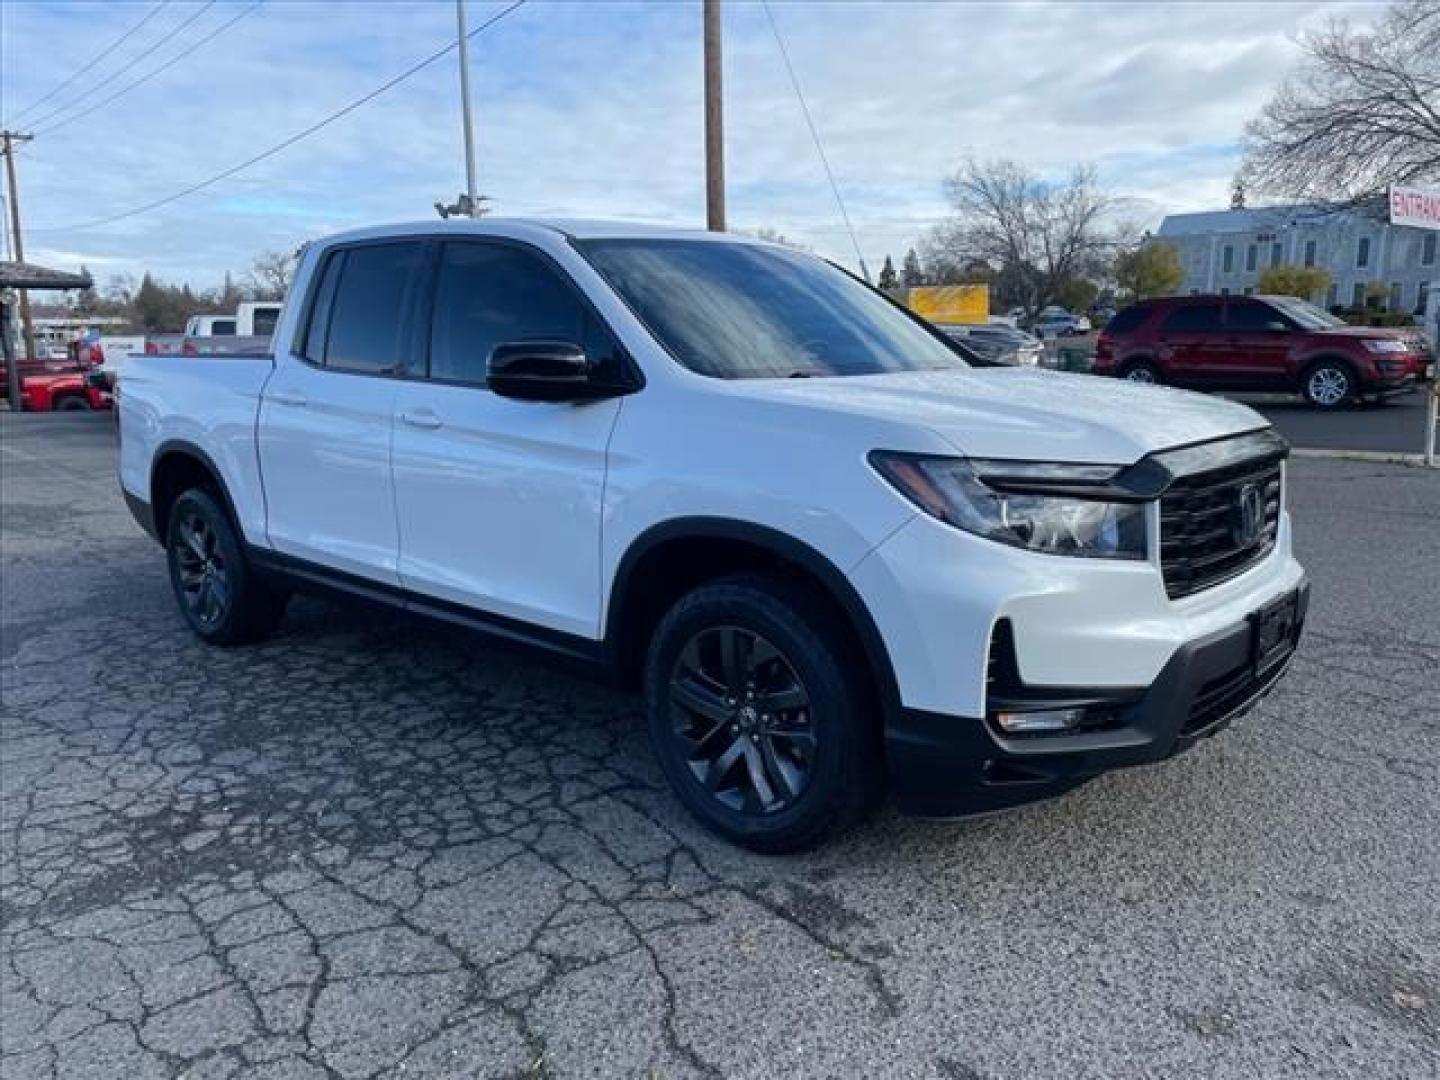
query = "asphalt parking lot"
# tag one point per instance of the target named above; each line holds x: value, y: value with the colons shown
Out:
x: 375, y: 847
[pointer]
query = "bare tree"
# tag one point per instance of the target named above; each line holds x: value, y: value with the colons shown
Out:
x: 270, y: 275
x: 1037, y: 235
x: 1361, y: 111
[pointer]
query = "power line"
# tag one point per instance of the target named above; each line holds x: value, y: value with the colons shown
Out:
x: 99, y: 86
x: 815, y: 135
x: 85, y: 67
x: 188, y: 51
x: 293, y: 139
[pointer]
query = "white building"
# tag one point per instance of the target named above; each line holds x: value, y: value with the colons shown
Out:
x: 1224, y: 251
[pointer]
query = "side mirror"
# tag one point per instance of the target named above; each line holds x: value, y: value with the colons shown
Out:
x: 543, y: 371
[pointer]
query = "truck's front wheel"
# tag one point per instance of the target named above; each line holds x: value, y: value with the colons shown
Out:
x: 218, y: 593
x: 759, y: 714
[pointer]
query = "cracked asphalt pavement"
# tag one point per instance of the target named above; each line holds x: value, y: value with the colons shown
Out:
x: 378, y: 847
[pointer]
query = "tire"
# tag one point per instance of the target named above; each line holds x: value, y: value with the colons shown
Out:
x: 1329, y: 384
x: 218, y: 593
x: 1141, y: 371
x: 817, y: 751
x: 71, y: 403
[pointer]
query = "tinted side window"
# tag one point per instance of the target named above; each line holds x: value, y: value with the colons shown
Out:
x: 368, y: 314
x: 1194, y: 318
x: 1244, y: 318
x: 222, y: 328
x: 490, y: 294
x: 313, y: 346
x: 1129, y: 319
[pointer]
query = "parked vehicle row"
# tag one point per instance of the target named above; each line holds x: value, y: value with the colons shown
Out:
x: 1259, y: 343
x: 997, y: 344
x: 833, y: 555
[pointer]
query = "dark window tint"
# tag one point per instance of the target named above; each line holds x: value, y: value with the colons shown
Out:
x: 222, y: 328
x: 1193, y: 318
x: 367, y: 320
x: 490, y: 294
x: 1276, y: 254
x: 1255, y: 316
x: 1362, y: 252
x: 1132, y: 318
x: 323, y: 298
x: 1250, y: 257
x: 1228, y: 259
x: 1427, y: 251
x: 265, y: 320
x: 1309, y: 252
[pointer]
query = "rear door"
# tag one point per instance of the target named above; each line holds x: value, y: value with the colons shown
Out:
x: 326, y: 415
x: 1260, y: 339
x: 1192, y: 343
x: 500, y: 500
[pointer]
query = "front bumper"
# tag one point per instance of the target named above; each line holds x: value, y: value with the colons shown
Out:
x: 943, y: 765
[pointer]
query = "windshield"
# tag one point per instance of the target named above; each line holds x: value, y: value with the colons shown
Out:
x: 742, y: 311
x: 1305, y: 313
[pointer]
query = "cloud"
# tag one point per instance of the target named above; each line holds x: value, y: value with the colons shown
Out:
x: 594, y: 109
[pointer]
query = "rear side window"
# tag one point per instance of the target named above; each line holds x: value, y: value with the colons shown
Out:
x: 222, y: 328
x: 1132, y: 318
x: 373, y: 293
x: 489, y: 294
x: 1193, y: 318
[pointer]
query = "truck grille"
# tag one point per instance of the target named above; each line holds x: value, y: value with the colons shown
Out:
x: 1208, y: 533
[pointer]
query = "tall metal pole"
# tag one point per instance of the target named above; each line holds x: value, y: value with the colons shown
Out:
x: 8, y: 139
x: 465, y: 108
x: 714, y: 122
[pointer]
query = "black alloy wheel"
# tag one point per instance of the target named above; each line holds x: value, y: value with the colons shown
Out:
x: 203, y: 576
x: 742, y: 718
x: 762, y: 714
x: 219, y: 595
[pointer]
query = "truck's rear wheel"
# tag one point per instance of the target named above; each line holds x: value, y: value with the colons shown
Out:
x: 219, y: 594
x: 759, y: 715
x: 72, y: 403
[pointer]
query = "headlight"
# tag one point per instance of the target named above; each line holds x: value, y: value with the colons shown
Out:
x: 953, y: 490
x: 1383, y: 344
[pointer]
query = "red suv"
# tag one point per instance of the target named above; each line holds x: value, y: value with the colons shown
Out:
x: 1258, y: 343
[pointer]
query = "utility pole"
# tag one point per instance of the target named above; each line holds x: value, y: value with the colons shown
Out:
x: 8, y: 139
x: 714, y: 122
x: 465, y: 109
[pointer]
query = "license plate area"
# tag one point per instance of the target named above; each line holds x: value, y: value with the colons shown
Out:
x: 1272, y: 632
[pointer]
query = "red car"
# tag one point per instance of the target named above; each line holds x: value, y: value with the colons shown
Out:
x: 1258, y: 343
x: 47, y: 385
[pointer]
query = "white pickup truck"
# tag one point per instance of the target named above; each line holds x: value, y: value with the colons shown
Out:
x: 829, y: 551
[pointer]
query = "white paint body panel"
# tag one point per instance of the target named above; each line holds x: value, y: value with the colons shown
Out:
x: 527, y: 510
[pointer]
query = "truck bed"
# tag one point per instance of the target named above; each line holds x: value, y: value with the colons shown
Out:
x: 212, y: 402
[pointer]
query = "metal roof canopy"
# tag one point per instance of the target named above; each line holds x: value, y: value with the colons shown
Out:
x: 18, y: 275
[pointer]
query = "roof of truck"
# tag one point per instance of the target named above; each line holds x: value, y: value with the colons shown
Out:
x: 573, y: 228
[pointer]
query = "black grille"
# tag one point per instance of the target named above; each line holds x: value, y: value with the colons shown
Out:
x: 1202, y: 541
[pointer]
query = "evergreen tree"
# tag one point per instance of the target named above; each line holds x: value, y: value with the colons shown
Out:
x: 888, y: 278
x: 910, y: 272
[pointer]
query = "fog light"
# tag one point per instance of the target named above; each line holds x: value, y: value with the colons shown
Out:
x: 1020, y: 723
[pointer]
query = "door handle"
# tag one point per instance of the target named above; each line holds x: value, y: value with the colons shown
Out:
x: 288, y: 397
x: 422, y: 418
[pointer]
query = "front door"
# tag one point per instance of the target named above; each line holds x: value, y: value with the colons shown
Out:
x: 1259, y: 339
x: 327, y: 412
x: 500, y: 500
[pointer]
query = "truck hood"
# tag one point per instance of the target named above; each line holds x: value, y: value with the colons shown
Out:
x: 1025, y: 414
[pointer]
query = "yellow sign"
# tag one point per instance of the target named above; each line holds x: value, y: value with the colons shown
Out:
x: 969, y: 304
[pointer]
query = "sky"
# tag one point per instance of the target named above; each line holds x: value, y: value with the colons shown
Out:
x: 594, y: 109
